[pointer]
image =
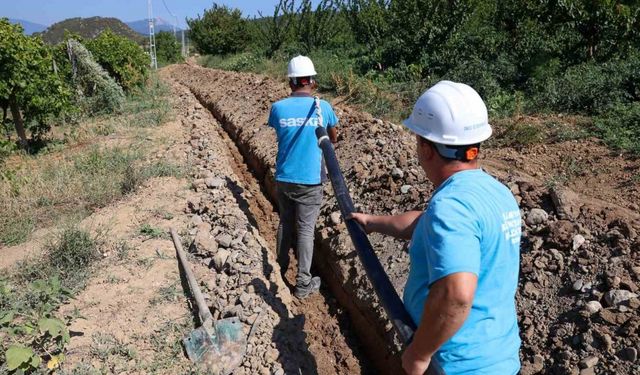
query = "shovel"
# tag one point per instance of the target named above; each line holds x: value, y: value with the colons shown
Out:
x: 216, y: 347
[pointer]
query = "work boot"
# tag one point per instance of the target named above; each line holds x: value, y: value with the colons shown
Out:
x: 303, y: 291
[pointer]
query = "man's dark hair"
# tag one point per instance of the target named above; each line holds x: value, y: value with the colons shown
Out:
x: 464, y: 153
x: 299, y: 82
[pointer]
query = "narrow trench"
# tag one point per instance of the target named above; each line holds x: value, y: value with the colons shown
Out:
x: 261, y: 211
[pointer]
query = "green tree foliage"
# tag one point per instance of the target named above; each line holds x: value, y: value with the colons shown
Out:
x: 368, y: 20
x: 317, y: 27
x: 221, y: 30
x: 167, y: 48
x: 274, y: 31
x: 122, y: 58
x: 28, y: 85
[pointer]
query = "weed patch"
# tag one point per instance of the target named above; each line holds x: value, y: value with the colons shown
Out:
x: 106, y: 345
x: 166, y: 294
x: 46, y: 190
x: 32, y: 336
x: 151, y: 231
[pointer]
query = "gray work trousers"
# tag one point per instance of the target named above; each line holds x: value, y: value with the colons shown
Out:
x: 299, y: 209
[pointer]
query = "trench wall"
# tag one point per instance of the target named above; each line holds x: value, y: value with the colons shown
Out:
x: 243, y: 115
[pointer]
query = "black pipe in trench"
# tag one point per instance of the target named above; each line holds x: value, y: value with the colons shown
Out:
x: 391, y: 302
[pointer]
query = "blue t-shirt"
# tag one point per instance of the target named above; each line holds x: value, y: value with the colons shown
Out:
x: 299, y: 159
x: 472, y: 224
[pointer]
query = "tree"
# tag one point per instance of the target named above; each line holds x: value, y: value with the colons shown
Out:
x: 315, y: 28
x: 368, y: 20
x: 167, y: 48
x: 28, y: 85
x: 275, y: 31
x: 122, y: 58
x: 221, y: 30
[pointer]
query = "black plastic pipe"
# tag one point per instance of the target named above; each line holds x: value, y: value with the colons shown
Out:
x: 391, y: 302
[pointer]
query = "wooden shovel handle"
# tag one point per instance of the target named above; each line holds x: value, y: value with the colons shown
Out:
x: 203, y: 309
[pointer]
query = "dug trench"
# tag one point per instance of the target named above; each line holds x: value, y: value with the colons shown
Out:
x: 371, y: 332
x: 577, y: 297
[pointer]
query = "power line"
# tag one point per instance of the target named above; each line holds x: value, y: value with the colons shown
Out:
x: 172, y: 15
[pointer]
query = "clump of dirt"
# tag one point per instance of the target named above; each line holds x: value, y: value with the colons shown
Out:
x: 578, y: 293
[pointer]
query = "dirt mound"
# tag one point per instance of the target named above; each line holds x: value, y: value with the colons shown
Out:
x: 577, y: 297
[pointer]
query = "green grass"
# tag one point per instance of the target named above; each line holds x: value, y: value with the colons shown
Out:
x: 167, y: 294
x: 105, y: 345
x: 44, y: 190
x: 151, y: 231
x: 31, y: 295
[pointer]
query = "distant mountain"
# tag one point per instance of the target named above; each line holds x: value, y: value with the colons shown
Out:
x: 29, y: 27
x: 88, y: 28
x: 142, y: 26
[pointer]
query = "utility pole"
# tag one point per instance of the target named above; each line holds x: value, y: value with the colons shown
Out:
x: 184, y: 46
x: 152, y: 37
x: 174, y: 27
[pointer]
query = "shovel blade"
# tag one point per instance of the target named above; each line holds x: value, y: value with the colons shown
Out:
x: 217, y: 350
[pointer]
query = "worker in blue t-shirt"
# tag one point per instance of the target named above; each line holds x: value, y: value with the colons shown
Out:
x: 465, y: 246
x: 299, y: 169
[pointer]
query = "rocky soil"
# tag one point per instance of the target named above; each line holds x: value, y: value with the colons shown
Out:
x: 227, y: 216
x: 578, y: 294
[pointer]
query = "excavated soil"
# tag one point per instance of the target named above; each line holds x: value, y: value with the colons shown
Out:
x: 580, y: 268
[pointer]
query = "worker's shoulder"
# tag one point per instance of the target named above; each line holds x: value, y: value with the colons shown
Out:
x: 325, y: 103
x: 470, y: 189
x: 281, y: 102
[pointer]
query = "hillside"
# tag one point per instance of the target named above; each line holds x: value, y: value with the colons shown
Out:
x: 142, y: 26
x: 88, y: 28
x: 29, y: 27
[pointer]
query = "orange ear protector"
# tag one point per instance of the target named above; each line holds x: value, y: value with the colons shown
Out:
x: 471, y: 153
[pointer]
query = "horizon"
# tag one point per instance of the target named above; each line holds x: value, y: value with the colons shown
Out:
x: 47, y: 13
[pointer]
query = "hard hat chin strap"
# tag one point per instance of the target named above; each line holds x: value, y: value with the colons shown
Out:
x: 461, y: 153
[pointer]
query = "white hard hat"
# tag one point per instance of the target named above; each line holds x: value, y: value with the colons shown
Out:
x: 301, y: 66
x: 450, y: 113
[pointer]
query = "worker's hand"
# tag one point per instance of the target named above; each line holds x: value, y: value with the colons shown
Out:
x: 414, y: 364
x: 362, y: 219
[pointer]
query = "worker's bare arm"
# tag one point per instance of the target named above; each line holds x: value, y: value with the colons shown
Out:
x: 446, y: 309
x: 333, y: 135
x: 399, y: 226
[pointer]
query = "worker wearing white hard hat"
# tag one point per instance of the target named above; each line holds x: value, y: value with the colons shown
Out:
x: 299, y: 169
x: 465, y: 246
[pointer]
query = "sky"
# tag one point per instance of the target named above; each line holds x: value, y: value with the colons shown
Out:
x: 47, y: 12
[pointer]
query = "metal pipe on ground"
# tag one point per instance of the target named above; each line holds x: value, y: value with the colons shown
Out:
x: 391, y: 302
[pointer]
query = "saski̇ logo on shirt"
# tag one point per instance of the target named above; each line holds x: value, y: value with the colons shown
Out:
x: 298, y: 121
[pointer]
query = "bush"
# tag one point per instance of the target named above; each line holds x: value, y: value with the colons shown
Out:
x: 30, y: 298
x: 122, y: 58
x: 97, y: 92
x: 584, y: 88
x: 167, y: 48
x: 619, y: 127
x: 221, y: 30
